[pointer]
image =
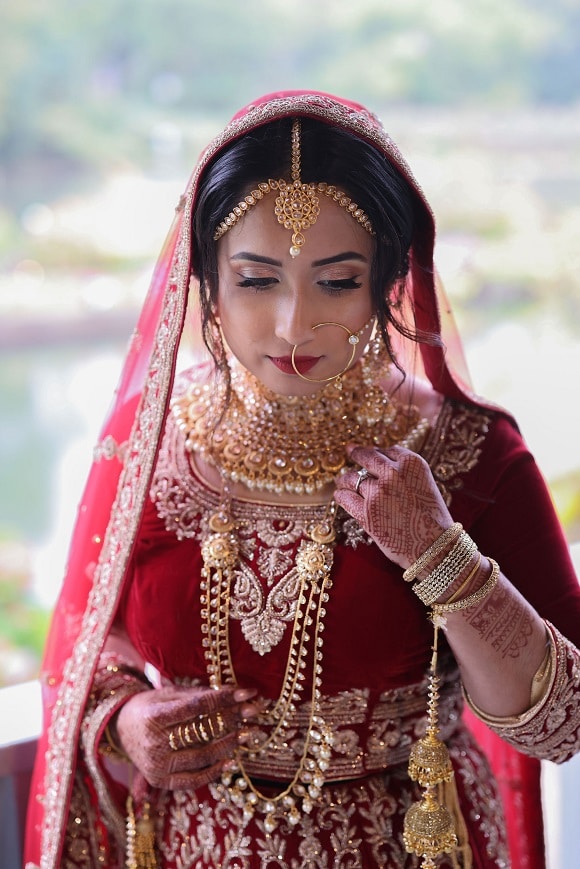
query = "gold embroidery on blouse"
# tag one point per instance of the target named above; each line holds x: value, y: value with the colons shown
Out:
x: 268, y: 543
x: 454, y: 444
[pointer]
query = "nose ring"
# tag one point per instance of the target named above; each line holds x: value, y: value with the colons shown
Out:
x: 353, y: 340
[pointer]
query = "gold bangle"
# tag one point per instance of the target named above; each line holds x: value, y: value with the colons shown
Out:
x: 474, y: 598
x: 466, y: 582
x: 438, y: 546
x: 542, y: 676
x: 444, y: 575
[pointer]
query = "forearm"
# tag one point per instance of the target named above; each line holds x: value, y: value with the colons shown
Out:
x: 499, y: 644
x: 550, y: 728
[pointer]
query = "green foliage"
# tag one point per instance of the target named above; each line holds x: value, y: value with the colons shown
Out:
x: 23, y: 623
x: 566, y: 492
x: 87, y: 80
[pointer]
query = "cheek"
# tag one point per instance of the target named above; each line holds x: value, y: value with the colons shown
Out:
x: 241, y: 323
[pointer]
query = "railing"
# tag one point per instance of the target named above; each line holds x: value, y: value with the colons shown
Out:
x: 20, y: 721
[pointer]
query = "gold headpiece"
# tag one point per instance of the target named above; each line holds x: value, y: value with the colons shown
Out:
x: 297, y: 204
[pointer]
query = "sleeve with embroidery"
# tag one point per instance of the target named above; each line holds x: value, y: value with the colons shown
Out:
x: 549, y: 730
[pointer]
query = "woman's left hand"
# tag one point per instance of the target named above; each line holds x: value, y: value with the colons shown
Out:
x: 398, y: 503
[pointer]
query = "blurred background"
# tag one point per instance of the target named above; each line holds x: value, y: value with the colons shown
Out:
x: 104, y: 108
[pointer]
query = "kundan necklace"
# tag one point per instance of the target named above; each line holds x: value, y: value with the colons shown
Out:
x: 270, y: 442
x: 296, y: 444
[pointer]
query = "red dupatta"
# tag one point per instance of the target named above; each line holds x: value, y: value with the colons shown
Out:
x: 118, y: 485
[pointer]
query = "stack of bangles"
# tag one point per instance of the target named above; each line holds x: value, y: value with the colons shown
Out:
x: 462, y: 556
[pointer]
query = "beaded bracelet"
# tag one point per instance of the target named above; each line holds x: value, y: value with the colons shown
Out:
x: 471, y: 599
x: 445, y: 574
x: 438, y: 546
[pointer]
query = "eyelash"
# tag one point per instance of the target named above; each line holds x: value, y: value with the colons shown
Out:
x: 257, y: 283
x: 334, y: 288
x: 331, y: 287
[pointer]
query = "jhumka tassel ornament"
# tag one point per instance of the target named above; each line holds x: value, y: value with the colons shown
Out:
x: 140, y: 838
x: 428, y: 828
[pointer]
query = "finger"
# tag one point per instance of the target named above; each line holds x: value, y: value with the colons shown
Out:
x: 352, y: 503
x: 193, y: 780
x: 178, y: 709
x: 377, y: 462
x: 201, y: 756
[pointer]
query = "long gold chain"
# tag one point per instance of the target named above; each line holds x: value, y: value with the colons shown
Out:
x: 220, y: 551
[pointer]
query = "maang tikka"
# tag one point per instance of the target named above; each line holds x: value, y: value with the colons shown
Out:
x: 297, y: 204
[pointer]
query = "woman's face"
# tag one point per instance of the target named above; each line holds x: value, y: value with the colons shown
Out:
x: 269, y: 301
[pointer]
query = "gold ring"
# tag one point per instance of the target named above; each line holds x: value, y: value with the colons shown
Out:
x: 220, y: 723
x: 172, y: 743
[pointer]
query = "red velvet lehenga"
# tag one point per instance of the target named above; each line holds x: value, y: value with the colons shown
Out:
x: 136, y: 557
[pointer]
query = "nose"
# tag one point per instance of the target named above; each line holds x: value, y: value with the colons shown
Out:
x: 295, y: 319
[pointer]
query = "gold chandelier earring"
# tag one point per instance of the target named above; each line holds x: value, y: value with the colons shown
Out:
x: 353, y: 341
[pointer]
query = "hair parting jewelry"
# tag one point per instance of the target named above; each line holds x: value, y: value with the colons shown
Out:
x: 297, y: 204
x: 353, y: 340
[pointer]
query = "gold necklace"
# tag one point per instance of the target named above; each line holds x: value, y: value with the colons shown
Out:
x: 220, y: 552
x: 295, y: 444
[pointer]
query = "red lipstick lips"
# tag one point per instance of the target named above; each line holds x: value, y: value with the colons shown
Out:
x: 303, y: 363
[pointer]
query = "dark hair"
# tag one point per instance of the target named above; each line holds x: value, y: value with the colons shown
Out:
x: 328, y: 154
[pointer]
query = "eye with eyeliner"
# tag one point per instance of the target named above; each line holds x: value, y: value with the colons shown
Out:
x: 256, y: 283
x: 339, y: 285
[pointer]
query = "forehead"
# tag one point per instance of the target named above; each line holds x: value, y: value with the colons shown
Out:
x: 335, y: 231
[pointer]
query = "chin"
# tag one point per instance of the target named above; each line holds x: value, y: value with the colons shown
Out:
x: 287, y: 384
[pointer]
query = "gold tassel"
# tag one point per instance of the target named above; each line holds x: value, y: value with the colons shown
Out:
x: 428, y: 827
x: 428, y: 830
x: 462, y: 857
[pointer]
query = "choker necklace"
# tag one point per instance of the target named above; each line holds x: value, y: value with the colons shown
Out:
x: 295, y: 444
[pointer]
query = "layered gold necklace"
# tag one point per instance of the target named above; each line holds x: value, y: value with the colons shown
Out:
x: 294, y: 444
x: 280, y: 444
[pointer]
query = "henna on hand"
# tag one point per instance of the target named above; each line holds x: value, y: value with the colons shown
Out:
x: 145, y: 722
x: 399, y: 505
x: 504, y: 621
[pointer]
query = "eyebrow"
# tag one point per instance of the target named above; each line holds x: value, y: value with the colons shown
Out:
x: 339, y: 257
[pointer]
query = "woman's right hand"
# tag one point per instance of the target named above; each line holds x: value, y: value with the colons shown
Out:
x: 182, y: 738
